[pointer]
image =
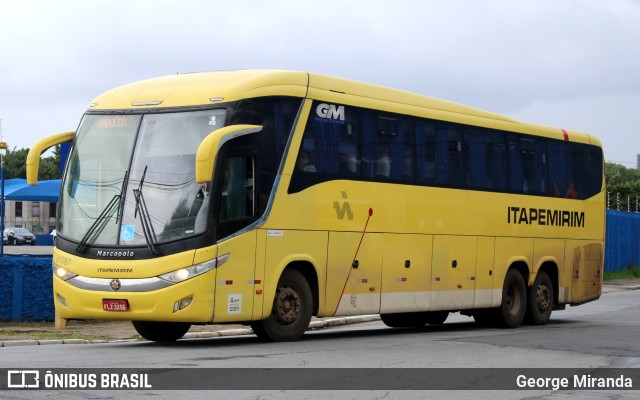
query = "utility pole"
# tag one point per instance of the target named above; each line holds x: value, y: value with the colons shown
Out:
x: 3, y: 147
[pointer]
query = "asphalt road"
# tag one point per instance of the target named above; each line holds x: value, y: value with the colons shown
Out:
x: 601, y: 334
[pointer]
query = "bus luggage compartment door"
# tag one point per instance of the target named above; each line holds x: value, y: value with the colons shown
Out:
x: 453, y: 272
x: 354, y: 280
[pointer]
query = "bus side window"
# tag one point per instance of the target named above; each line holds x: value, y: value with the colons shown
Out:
x: 408, y: 148
x: 238, y: 197
x: 558, y: 160
x: 591, y: 181
x: 476, y: 160
x: 517, y: 181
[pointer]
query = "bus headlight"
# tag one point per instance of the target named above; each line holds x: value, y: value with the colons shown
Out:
x: 62, y: 273
x: 183, y: 274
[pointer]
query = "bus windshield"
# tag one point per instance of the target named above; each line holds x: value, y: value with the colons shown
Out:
x: 131, y: 179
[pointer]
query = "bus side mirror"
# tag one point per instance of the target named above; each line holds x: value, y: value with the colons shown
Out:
x: 209, y: 147
x: 33, y: 158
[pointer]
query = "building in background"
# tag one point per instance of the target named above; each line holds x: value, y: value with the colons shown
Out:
x: 39, y: 217
x: 31, y: 207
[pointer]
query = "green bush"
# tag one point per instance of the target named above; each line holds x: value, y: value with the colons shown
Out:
x: 631, y: 272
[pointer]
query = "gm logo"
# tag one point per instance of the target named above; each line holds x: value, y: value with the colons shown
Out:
x: 330, y: 111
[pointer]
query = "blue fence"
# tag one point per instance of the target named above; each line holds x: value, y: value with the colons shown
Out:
x: 27, y: 292
x: 623, y: 240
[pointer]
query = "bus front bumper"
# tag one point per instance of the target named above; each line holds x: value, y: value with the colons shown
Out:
x: 188, y: 301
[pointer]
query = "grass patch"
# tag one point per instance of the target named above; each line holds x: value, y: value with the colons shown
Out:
x: 629, y: 273
x: 44, y: 335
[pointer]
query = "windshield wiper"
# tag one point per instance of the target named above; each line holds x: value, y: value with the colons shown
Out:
x: 101, y: 221
x: 145, y: 218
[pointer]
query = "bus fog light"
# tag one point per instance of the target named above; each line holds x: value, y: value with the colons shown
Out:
x: 62, y: 300
x: 182, y: 304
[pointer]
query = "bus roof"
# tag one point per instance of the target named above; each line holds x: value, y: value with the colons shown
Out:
x: 209, y: 88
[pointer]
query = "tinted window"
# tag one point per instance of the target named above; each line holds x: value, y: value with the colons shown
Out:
x: 350, y: 143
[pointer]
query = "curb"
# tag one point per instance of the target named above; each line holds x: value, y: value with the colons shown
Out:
x: 616, y: 288
x: 313, y: 326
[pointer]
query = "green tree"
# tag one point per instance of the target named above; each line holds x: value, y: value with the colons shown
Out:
x: 50, y: 166
x: 623, y: 181
x: 15, y: 164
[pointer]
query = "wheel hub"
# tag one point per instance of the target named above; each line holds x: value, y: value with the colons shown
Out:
x: 543, y: 298
x: 288, y: 305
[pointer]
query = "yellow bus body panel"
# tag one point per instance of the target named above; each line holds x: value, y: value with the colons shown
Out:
x: 203, y: 88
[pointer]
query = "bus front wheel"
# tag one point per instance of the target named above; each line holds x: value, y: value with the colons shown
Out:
x: 161, y: 331
x: 291, y: 311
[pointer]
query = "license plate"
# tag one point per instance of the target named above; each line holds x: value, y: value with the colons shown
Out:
x: 115, y: 305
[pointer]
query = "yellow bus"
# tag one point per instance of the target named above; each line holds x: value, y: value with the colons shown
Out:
x: 269, y: 197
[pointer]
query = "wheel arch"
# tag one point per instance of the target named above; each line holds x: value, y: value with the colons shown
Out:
x: 522, y: 267
x: 551, y: 268
x: 308, y: 270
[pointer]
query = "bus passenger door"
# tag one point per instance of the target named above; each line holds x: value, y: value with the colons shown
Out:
x: 236, y: 199
x: 453, y: 272
x: 354, y: 281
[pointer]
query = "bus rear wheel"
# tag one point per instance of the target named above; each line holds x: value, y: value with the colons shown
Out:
x: 291, y: 311
x: 514, y: 300
x: 540, y: 300
x: 161, y: 331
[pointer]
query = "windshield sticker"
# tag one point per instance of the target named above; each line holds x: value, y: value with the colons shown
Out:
x: 213, y: 121
x: 127, y: 232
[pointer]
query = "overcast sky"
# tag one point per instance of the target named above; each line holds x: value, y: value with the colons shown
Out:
x: 572, y: 64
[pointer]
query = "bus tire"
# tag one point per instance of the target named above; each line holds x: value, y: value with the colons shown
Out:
x: 403, y: 320
x: 161, y: 331
x: 514, y: 300
x: 436, y: 317
x: 540, y: 302
x: 486, y: 317
x: 414, y: 319
x: 291, y: 312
